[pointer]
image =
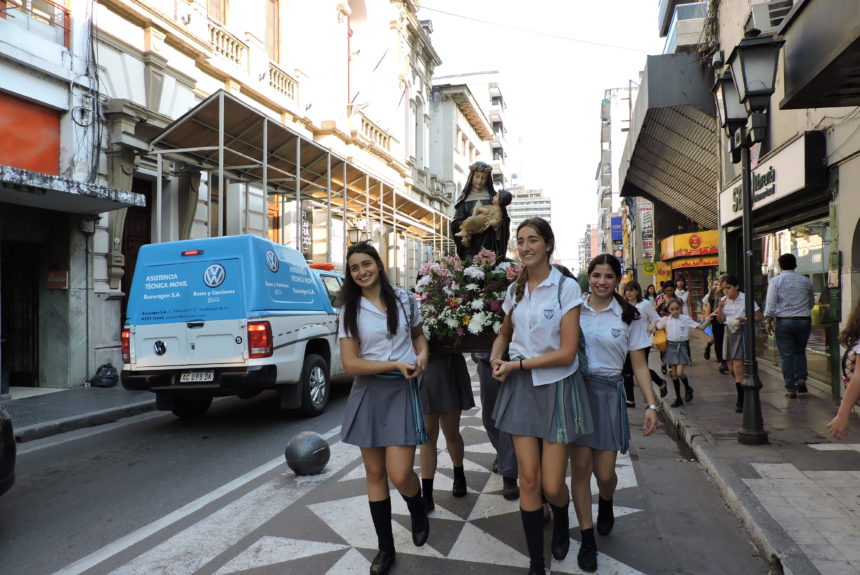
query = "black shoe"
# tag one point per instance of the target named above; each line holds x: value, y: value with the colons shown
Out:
x: 678, y: 402
x: 724, y: 368
x: 587, y: 557
x: 801, y: 387
x: 688, y: 395
x: 664, y: 391
x: 537, y: 571
x: 459, y: 489
x: 791, y: 394
x: 382, y: 563
x: 708, y: 351
x: 496, y: 465
x: 420, y: 528
x: 605, y: 516
x: 510, y: 490
x: 429, y: 505
x: 560, y: 532
x: 739, y: 407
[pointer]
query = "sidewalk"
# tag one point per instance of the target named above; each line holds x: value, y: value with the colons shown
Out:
x: 798, y: 496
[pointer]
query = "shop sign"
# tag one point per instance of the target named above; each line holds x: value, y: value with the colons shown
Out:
x: 615, y: 225
x: 798, y: 166
x: 700, y: 262
x: 649, y: 267
x: 686, y: 245
x: 646, y: 226
x: 664, y: 273
x: 57, y: 280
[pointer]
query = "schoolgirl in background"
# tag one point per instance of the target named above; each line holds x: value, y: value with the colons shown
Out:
x: 732, y: 312
x: 541, y: 402
x: 678, y: 326
x: 633, y: 294
x: 382, y: 344
x: 612, y: 329
x: 682, y: 294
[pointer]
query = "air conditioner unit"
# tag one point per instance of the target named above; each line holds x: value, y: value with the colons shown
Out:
x: 766, y: 17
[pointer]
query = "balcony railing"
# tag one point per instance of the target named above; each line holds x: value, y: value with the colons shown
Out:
x: 681, y: 25
x: 283, y: 82
x: 227, y: 45
x: 370, y: 131
x: 43, y: 17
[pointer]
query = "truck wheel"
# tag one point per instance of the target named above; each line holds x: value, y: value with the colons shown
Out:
x: 189, y: 407
x: 315, y: 385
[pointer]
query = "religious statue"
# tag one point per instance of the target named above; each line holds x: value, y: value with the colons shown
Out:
x: 480, y: 215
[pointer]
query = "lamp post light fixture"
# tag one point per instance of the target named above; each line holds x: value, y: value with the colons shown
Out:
x: 743, y: 98
x: 354, y: 235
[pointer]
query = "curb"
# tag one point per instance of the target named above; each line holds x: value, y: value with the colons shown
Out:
x: 71, y: 423
x: 782, y: 553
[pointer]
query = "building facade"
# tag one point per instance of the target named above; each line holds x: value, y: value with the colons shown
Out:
x: 173, y: 119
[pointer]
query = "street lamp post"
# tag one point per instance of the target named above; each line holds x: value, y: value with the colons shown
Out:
x: 743, y: 95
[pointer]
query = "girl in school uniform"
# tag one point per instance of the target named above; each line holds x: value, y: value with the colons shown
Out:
x: 633, y: 294
x: 682, y: 294
x: 612, y: 329
x: 541, y: 401
x: 446, y: 391
x: 382, y: 344
x: 732, y: 312
x: 677, y: 326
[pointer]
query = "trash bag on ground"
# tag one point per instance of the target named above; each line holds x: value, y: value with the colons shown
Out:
x: 106, y: 376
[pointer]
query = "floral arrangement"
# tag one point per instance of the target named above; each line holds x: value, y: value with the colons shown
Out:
x: 461, y: 298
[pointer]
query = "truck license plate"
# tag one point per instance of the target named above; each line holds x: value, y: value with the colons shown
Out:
x: 197, y: 376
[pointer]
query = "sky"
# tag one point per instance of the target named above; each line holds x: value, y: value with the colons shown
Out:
x: 556, y: 59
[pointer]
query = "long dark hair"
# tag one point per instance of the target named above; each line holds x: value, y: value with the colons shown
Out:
x: 350, y: 293
x: 850, y: 334
x: 628, y: 312
x: 544, y: 230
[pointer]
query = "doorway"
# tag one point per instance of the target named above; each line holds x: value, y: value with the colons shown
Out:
x: 136, y: 233
x: 19, y: 349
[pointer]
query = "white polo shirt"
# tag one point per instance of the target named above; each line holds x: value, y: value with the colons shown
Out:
x: 375, y: 343
x: 608, y: 339
x: 537, y: 323
x: 677, y: 328
x: 647, y: 312
x: 737, y: 308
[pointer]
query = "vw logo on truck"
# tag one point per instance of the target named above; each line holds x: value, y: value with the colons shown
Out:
x: 272, y: 261
x: 214, y: 275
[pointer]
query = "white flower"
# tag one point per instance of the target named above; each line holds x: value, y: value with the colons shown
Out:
x: 474, y: 272
x: 447, y: 290
x: 497, y: 326
x: 473, y: 287
x: 423, y: 282
x: 426, y: 329
x: 477, y: 304
x: 452, y: 323
x: 504, y: 265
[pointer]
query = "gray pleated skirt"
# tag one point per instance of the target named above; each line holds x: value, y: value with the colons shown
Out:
x: 446, y: 385
x: 380, y: 412
x: 733, y: 345
x: 606, y: 400
x: 678, y: 353
x: 557, y: 412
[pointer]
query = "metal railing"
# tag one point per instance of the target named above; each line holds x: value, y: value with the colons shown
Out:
x: 43, y: 17
x: 694, y: 11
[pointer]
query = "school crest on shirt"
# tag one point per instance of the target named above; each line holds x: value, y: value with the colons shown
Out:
x: 548, y: 313
x: 616, y: 333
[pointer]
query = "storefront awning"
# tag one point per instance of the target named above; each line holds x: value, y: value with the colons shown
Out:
x: 47, y: 192
x: 239, y: 143
x: 822, y: 54
x: 670, y: 155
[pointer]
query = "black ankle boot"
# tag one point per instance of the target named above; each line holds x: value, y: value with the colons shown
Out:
x: 427, y: 494
x: 420, y: 523
x: 688, y: 391
x: 605, y: 516
x: 459, y: 489
x: 560, y: 531
x: 587, y: 556
x: 382, y: 563
x: 533, y: 527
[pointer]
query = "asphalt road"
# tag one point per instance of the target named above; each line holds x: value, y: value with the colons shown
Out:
x: 155, y: 494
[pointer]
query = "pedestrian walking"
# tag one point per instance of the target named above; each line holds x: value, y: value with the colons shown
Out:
x: 651, y: 294
x: 849, y: 337
x: 611, y: 329
x: 382, y: 344
x: 678, y: 326
x: 666, y: 295
x: 718, y: 329
x: 633, y: 294
x: 789, y: 305
x: 731, y: 311
x: 446, y: 391
x: 542, y: 403
x: 682, y: 294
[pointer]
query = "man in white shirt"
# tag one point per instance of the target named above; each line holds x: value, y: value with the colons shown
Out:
x: 789, y: 305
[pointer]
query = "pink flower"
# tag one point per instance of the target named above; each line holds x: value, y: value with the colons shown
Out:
x: 460, y: 331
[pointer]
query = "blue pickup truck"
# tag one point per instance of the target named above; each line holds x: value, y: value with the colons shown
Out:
x: 230, y: 316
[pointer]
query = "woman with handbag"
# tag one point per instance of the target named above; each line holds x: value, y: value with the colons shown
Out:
x: 382, y: 344
x: 611, y: 329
